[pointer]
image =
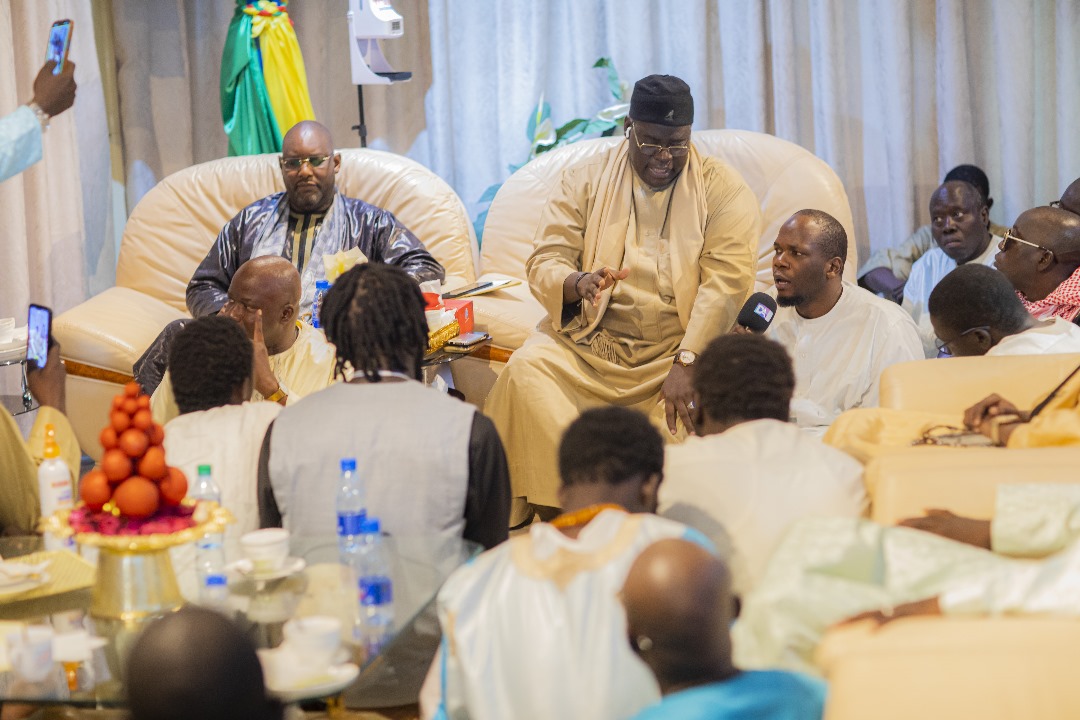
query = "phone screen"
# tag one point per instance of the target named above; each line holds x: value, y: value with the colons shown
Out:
x: 38, y: 327
x: 59, y: 41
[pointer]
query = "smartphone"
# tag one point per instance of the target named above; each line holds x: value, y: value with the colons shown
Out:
x: 466, y: 341
x: 38, y: 329
x: 466, y: 290
x: 59, y: 42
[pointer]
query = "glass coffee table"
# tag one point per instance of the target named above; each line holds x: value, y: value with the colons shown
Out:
x: 419, y: 566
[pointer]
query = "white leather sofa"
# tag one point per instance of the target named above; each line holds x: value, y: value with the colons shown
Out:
x: 785, y: 178
x: 172, y: 229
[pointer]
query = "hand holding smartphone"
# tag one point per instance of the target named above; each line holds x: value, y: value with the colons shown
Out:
x: 59, y: 43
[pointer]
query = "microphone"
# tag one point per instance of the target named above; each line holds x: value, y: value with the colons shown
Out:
x: 758, y: 312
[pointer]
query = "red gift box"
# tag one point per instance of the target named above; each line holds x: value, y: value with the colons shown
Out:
x: 463, y: 309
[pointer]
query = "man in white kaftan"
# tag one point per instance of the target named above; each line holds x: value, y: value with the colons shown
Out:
x: 840, y: 337
x: 218, y: 427
x: 533, y: 629
x: 752, y: 474
x: 958, y: 217
x: 828, y: 570
x: 643, y: 255
x: 975, y: 310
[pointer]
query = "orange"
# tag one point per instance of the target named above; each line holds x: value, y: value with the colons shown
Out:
x: 142, y: 420
x: 130, y: 406
x: 143, y: 401
x: 173, y: 487
x: 132, y: 389
x: 119, y: 420
x: 133, y: 442
x: 118, y: 402
x: 137, y: 497
x: 94, y: 489
x: 152, y: 465
x: 157, y: 434
x: 107, y: 438
x: 116, y: 465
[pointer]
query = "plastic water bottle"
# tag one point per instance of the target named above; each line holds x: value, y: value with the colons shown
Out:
x: 321, y: 286
x: 210, y: 550
x: 54, y: 488
x: 350, y: 513
x: 376, y: 591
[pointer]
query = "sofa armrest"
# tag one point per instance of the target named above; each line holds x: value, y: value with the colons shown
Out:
x: 955, y: 384
x: 112, y: 329
x: 509, y: 315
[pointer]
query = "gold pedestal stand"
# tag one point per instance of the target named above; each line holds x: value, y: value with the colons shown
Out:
x: 135, y: 581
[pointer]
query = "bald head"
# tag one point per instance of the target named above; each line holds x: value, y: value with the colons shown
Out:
x: 679, y: 607
x: 196, y: 663
x: 269, y: 283
x: 1052, y: 256
x: 1070, y: 199
x: 309, y: 167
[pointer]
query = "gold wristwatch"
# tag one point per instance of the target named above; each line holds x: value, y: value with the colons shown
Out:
x: 686, y: 358
x: 278, y: 395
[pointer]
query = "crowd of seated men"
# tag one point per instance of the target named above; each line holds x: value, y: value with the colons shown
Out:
x: 676, y: 476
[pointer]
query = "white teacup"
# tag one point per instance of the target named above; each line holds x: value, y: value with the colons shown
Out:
x: 313, y: 641
x: 7, y: 330
x: 30, y: 652
x: 267, y: 549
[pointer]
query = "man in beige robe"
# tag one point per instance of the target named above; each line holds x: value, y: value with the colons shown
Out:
x: 643, y: 255
x: 291, y: 360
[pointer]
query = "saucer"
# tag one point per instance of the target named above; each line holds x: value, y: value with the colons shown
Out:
x: 246, y: 569
x: 334, y: 680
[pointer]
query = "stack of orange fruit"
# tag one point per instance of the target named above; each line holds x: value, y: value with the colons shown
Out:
x: 133, y: 475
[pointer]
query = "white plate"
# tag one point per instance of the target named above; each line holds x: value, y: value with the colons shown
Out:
x: 336, y: 679
x: 246, y: 569
x: 28, y: 583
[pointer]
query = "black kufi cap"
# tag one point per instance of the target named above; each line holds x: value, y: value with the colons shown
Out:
x: 663, y: 100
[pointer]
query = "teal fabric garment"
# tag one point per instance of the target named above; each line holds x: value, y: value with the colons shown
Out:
x: 756, y: 694
x: 20, y: 142
x: 245, y: 103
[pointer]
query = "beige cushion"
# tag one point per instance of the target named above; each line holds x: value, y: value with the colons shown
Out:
x: 785, y: 178
x: 985, y: 668
x: 955, y: 384
x: 175, y: 224
x: 906, y: 483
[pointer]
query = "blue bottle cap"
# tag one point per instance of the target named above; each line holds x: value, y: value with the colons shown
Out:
x: 348, y: 464
x: 322, y: 284
x: 216, y: 580
x: 369, y: 526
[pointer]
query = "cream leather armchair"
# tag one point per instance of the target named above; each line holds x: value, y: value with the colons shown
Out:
x: 172, y: 229
x: 904, y: 483
x: 784, y: 176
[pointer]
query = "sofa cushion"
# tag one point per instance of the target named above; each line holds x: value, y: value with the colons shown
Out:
x: 509, y: 315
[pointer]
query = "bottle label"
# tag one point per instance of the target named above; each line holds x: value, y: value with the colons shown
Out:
x: 349, y: 523
x: 376, y: 590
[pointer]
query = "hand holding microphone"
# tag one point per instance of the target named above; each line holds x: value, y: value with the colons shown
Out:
x: 756, y: 315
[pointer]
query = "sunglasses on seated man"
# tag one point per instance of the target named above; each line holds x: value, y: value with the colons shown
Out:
x: 294, y: 163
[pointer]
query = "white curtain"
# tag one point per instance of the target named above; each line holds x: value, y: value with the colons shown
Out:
x: 56, y: 237
x: 891, y: 93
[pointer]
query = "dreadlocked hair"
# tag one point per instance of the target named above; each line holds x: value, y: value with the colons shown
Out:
x: 374, y: 316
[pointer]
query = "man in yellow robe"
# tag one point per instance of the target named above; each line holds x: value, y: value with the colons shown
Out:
x: 643, y: 255
x: 20, y: 503
x: 292, y: 359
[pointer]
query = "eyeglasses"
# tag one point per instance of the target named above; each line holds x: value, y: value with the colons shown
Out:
x: 294, y: 164
x: 1004, y: 244
x: 945, y: 348
x: 648, y: 149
